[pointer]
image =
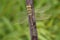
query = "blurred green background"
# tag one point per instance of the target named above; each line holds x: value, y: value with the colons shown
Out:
x: 14, y: 20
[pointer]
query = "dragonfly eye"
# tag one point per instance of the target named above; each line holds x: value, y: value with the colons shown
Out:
x: 28, y: 5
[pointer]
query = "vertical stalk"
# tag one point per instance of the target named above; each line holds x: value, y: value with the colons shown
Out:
x: 32, y: 22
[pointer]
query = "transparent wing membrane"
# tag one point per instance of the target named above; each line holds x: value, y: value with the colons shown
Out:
x: 14, y: 19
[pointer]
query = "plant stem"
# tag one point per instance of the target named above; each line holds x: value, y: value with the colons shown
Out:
x: 32, y: 22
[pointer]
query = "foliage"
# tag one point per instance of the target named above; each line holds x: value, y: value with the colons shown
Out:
x: 14, y: 20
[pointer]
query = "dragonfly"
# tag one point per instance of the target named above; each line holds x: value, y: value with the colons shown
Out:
x: 32, y: 21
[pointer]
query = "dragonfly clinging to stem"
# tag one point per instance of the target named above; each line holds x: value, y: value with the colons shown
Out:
x: 32, y: 22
